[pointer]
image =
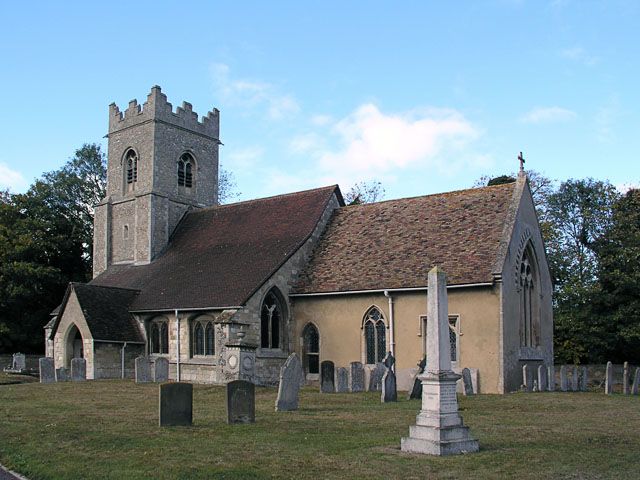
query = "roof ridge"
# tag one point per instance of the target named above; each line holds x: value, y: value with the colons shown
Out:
x: 104, y: 286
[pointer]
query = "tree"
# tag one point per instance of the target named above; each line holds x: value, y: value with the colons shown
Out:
x: 364, y: 192
x: 227, y: 187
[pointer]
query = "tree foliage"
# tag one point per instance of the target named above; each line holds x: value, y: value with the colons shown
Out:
x: 227, y: 187
x: 364, y: 192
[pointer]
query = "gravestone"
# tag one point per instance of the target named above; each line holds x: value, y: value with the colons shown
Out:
x: 574, y: 380
x: 62, y: 374
x: 625, y: 378
x: 176, y: 404
x: 466, y: 380
x: 78, y: 369
x: 416, y: 390
x: 356, y: 379
x: 551, y: 375
x: 636, y: 381
x: 327, y: 377
x: 289, y: 385
x: 241, y: 402
x: 608, y: 381
x: 438, y: 429
x: 161, y: 370
x: 389, y: 388
x: 342, y: 380
x: 563, y: 378
x: 47, y: 370
x: 375, y: 378
x: 584, y: 379
x: 542, y: 378
x: 535, y: 385
x: 143, y: 370
x: 18, y: 362
x: 527, y: 378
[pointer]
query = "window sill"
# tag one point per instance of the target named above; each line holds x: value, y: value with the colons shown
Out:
x: 271, y: 353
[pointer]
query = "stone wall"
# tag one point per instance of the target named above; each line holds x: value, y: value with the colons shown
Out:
x: 108, y: 359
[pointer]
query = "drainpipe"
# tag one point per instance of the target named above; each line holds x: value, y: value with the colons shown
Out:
x: 177, y: 347
x: 392, y: 338
x: 122, y: 357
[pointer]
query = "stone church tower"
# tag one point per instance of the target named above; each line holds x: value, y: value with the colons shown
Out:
x: 160, y: 164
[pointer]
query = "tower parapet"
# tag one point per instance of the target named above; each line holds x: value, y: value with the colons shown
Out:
x: 158, y: 109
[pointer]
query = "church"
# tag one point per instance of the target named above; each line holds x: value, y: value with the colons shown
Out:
x: 229, y: 291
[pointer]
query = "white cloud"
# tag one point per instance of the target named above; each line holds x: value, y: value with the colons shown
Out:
x: 304, y: 143
x: 580, y: 55
x: 252, y: 94
x: 11, y: 179
x: 626, y: 186
x: 321, y: 120
x: 547, y: 115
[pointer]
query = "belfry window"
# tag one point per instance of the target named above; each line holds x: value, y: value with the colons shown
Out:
x: 131, y: 163
x: 271, y: 319
x: 203, y: 336
x: 159, y: 336
x: 185, y: 170
x: 375, y: 341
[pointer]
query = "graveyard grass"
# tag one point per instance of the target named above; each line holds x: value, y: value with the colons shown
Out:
x: 109, y: 429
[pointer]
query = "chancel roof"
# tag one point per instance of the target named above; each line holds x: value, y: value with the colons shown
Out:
x: 394, y: 244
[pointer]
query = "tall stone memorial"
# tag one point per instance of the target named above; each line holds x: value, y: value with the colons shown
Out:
x: 439, y: 429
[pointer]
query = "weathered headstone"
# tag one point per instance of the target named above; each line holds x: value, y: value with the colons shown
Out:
x: 241, y: 402
x: 584, y: 379
x: 625, y: 378
x: 439, y: 429
x: 143, y: 370
x: 542, y: 378
x: 161, y: 370
x: 78, y: 369
x: 389, y: 388
x: 176, y: 404
x: 375, y: 378
x: 535, y: 385
x: 608, y: 381
x: 563, y: 378
x: 636, y: 382
x: 62, y: 374
x: 356, y: 379
x: 526, y: 381
x: 416, y: 390
x: 289, y: 385
x: 574, y: 379
x: 466, y: 380
x: 327, y: 377
x: 342, y: 380
x: 19, y: 362
x: 552, y: 378
x: 47, y: 370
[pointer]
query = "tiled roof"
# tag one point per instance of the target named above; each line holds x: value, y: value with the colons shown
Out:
x: 219, y: 256
x: 393, y: 244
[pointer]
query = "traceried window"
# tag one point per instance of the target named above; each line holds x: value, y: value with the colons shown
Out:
x: 131, y: 166
x: 159, y: 336
x: 454, y: 329
x: 311, y: 346
x: 375, y: 340
x: 271, y: 321
x: 186, y: 165
x: 203, y: 335
x: 529, y: 296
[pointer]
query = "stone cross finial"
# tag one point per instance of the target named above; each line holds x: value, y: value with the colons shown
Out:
x: 521, y: 159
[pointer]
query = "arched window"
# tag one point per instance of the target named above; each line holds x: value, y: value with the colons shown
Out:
x: 203, y: 336
x: 375, y: 341
x: 185, y: 170
x: 131, y: 165
x: 311, y: 349
x: 209, y: 344
x: 159, y: 336
x: 164, y: 337
x: 529, y: 300
x: 271, y: 319
x: 198, y: 339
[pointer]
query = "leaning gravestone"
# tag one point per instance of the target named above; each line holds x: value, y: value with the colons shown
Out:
x: 289, y: 385
x: 143, y: 370
x: 47, y: 370
x: 19, y: 362
x: 466, y: 381
x: 526, y: 378
x: 574, y: 381
x: 552, y: 377
x: 608, y: 381
x: 625, y: 378
x: 542, y: 378
x: 563, y: 378
x: 342, y: 380
x: 161, y: 370
x: 389, y: 388
x: 416, y: 390
x: 78, y: 369
x: 241, y: 402
x: 356, y: 379
x: 62, y: 374
x: 375, y: 378
x: 327, y: 377
x: 636, y: 381
x: 176, y: 404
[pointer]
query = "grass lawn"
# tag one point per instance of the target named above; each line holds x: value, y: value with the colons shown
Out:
x: 10, y: 378
x: 108, y: 429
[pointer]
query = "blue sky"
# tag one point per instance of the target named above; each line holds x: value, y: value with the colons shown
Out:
x: 422, y: 96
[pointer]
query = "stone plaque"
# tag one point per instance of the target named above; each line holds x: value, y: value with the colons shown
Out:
x: 241, y: 402
x: 289, y: 386
x: 342, y: 380
x: 78, y: 369
x: 143, y: 370
x: 356, y: 379
x: 176, y: 404
x: 466, y: 380
x: 375, y: 378
x: 327, y: 373
x: 47, y: 370
x: 161, y: 370
x: 62, y: 375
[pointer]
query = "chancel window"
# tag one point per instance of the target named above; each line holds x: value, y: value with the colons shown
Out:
x: 185, y: 170
x: 529, y: 296
x: 375, y: 339
x: 271, y: 321
x: 203, y: 335
x: 131, y: 165
x: 159, y: 337
x: 311, y: 345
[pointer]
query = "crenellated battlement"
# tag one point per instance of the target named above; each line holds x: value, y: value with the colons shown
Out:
x: 158, y: 108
